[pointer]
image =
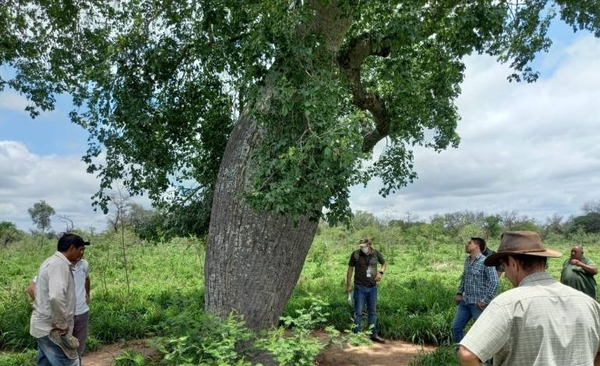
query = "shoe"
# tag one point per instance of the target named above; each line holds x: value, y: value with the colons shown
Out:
x: 377, y: 339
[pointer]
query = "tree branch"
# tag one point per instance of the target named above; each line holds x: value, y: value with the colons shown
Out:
x: 350, y: 61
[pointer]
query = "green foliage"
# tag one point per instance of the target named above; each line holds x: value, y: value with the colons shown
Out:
x: 296, y: 349
x: 445, y: 355
x: 298, y: 346
x: 492, y: 226
x: 361, y: 220
x: 124, y: 317
x: 204, y: 340
x: 15, y: 309
x: 9, y: 233
x: 314, y: 87
x: 40, y: 215
x: 416, y: 297
x: 130, y: 358
x: 26, y: 358
x: 588, y: 223
x: 325, y: 81
x: 155, y: 272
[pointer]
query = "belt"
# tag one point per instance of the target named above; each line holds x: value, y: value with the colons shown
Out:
x: 366, y: 284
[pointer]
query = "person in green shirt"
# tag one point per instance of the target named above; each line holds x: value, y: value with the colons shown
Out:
x: 578, y: 272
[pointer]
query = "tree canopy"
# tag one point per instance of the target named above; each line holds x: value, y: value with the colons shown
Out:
x: 158, y: 85
x: 40, y: 214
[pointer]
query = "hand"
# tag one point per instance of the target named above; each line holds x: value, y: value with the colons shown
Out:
x: 575, y: 262
x: 378, y: 277
x: 61, y: 331
x: 349, y: 288
x: 458, y: 299
x: 481, y: 305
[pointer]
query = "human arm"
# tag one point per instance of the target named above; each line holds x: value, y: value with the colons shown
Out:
x: 349, y: 278
x: 589, y: 267
x: 466, y: 357
x: 87, y: 290
x: 58, y: 280
x: 490, y: 333
x: 597, y: 360
x: 492, y: 284
x: 383, y: 268
x: 460, y: 290
x: 31, y: 290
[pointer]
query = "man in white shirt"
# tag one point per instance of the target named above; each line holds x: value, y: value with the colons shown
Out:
x: 81, y: 272
x: 54, y: 304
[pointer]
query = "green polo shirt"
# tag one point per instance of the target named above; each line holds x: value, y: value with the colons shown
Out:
x: 576, y: 277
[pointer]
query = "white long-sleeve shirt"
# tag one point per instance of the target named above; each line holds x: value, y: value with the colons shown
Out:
x: 54, y: 296
x: 81, y: 271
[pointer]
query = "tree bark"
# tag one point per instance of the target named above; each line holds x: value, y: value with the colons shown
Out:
x: 253, y: 259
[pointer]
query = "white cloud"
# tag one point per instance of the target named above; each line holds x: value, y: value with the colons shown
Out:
x: 529, y: 148
x: 61, y: 181
x: 12, y: 101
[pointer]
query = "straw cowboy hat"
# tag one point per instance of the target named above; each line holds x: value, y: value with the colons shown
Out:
x: 520, y: 242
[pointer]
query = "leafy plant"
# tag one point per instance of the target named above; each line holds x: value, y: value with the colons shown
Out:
x: 26, y: 358
x: 204, y: 339
x: 130, y: 358
x: 297, y: 346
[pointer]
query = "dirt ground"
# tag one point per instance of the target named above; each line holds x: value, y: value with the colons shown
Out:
x: 396, y: 353
x: 392, y: 353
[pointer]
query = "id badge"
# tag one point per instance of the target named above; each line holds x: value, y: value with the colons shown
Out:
x: 368, y: 273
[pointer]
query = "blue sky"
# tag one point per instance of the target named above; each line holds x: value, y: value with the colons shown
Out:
x: 529, y: 148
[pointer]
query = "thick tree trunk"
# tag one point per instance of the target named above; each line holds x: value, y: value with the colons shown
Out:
x: 253, y: 259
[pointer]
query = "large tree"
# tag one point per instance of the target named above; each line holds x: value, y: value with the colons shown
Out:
x: 268, y: 109
x: 40, y: 214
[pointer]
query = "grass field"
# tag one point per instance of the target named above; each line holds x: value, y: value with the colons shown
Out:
x: 156, y: 290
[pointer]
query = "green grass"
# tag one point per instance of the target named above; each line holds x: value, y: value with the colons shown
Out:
x: 165, y: 282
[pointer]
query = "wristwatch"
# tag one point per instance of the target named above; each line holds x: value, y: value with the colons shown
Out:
x: 381, y: 272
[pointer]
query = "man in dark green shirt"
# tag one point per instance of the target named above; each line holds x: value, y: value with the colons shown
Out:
x: 579, y: 271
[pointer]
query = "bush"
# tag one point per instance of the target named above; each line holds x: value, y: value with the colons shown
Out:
x: 27, y: 358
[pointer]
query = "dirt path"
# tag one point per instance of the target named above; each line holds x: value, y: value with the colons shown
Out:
x: 106, y: 355
x: 393, y: 353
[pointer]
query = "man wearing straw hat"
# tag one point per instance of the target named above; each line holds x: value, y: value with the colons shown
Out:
x: 540, y: 321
